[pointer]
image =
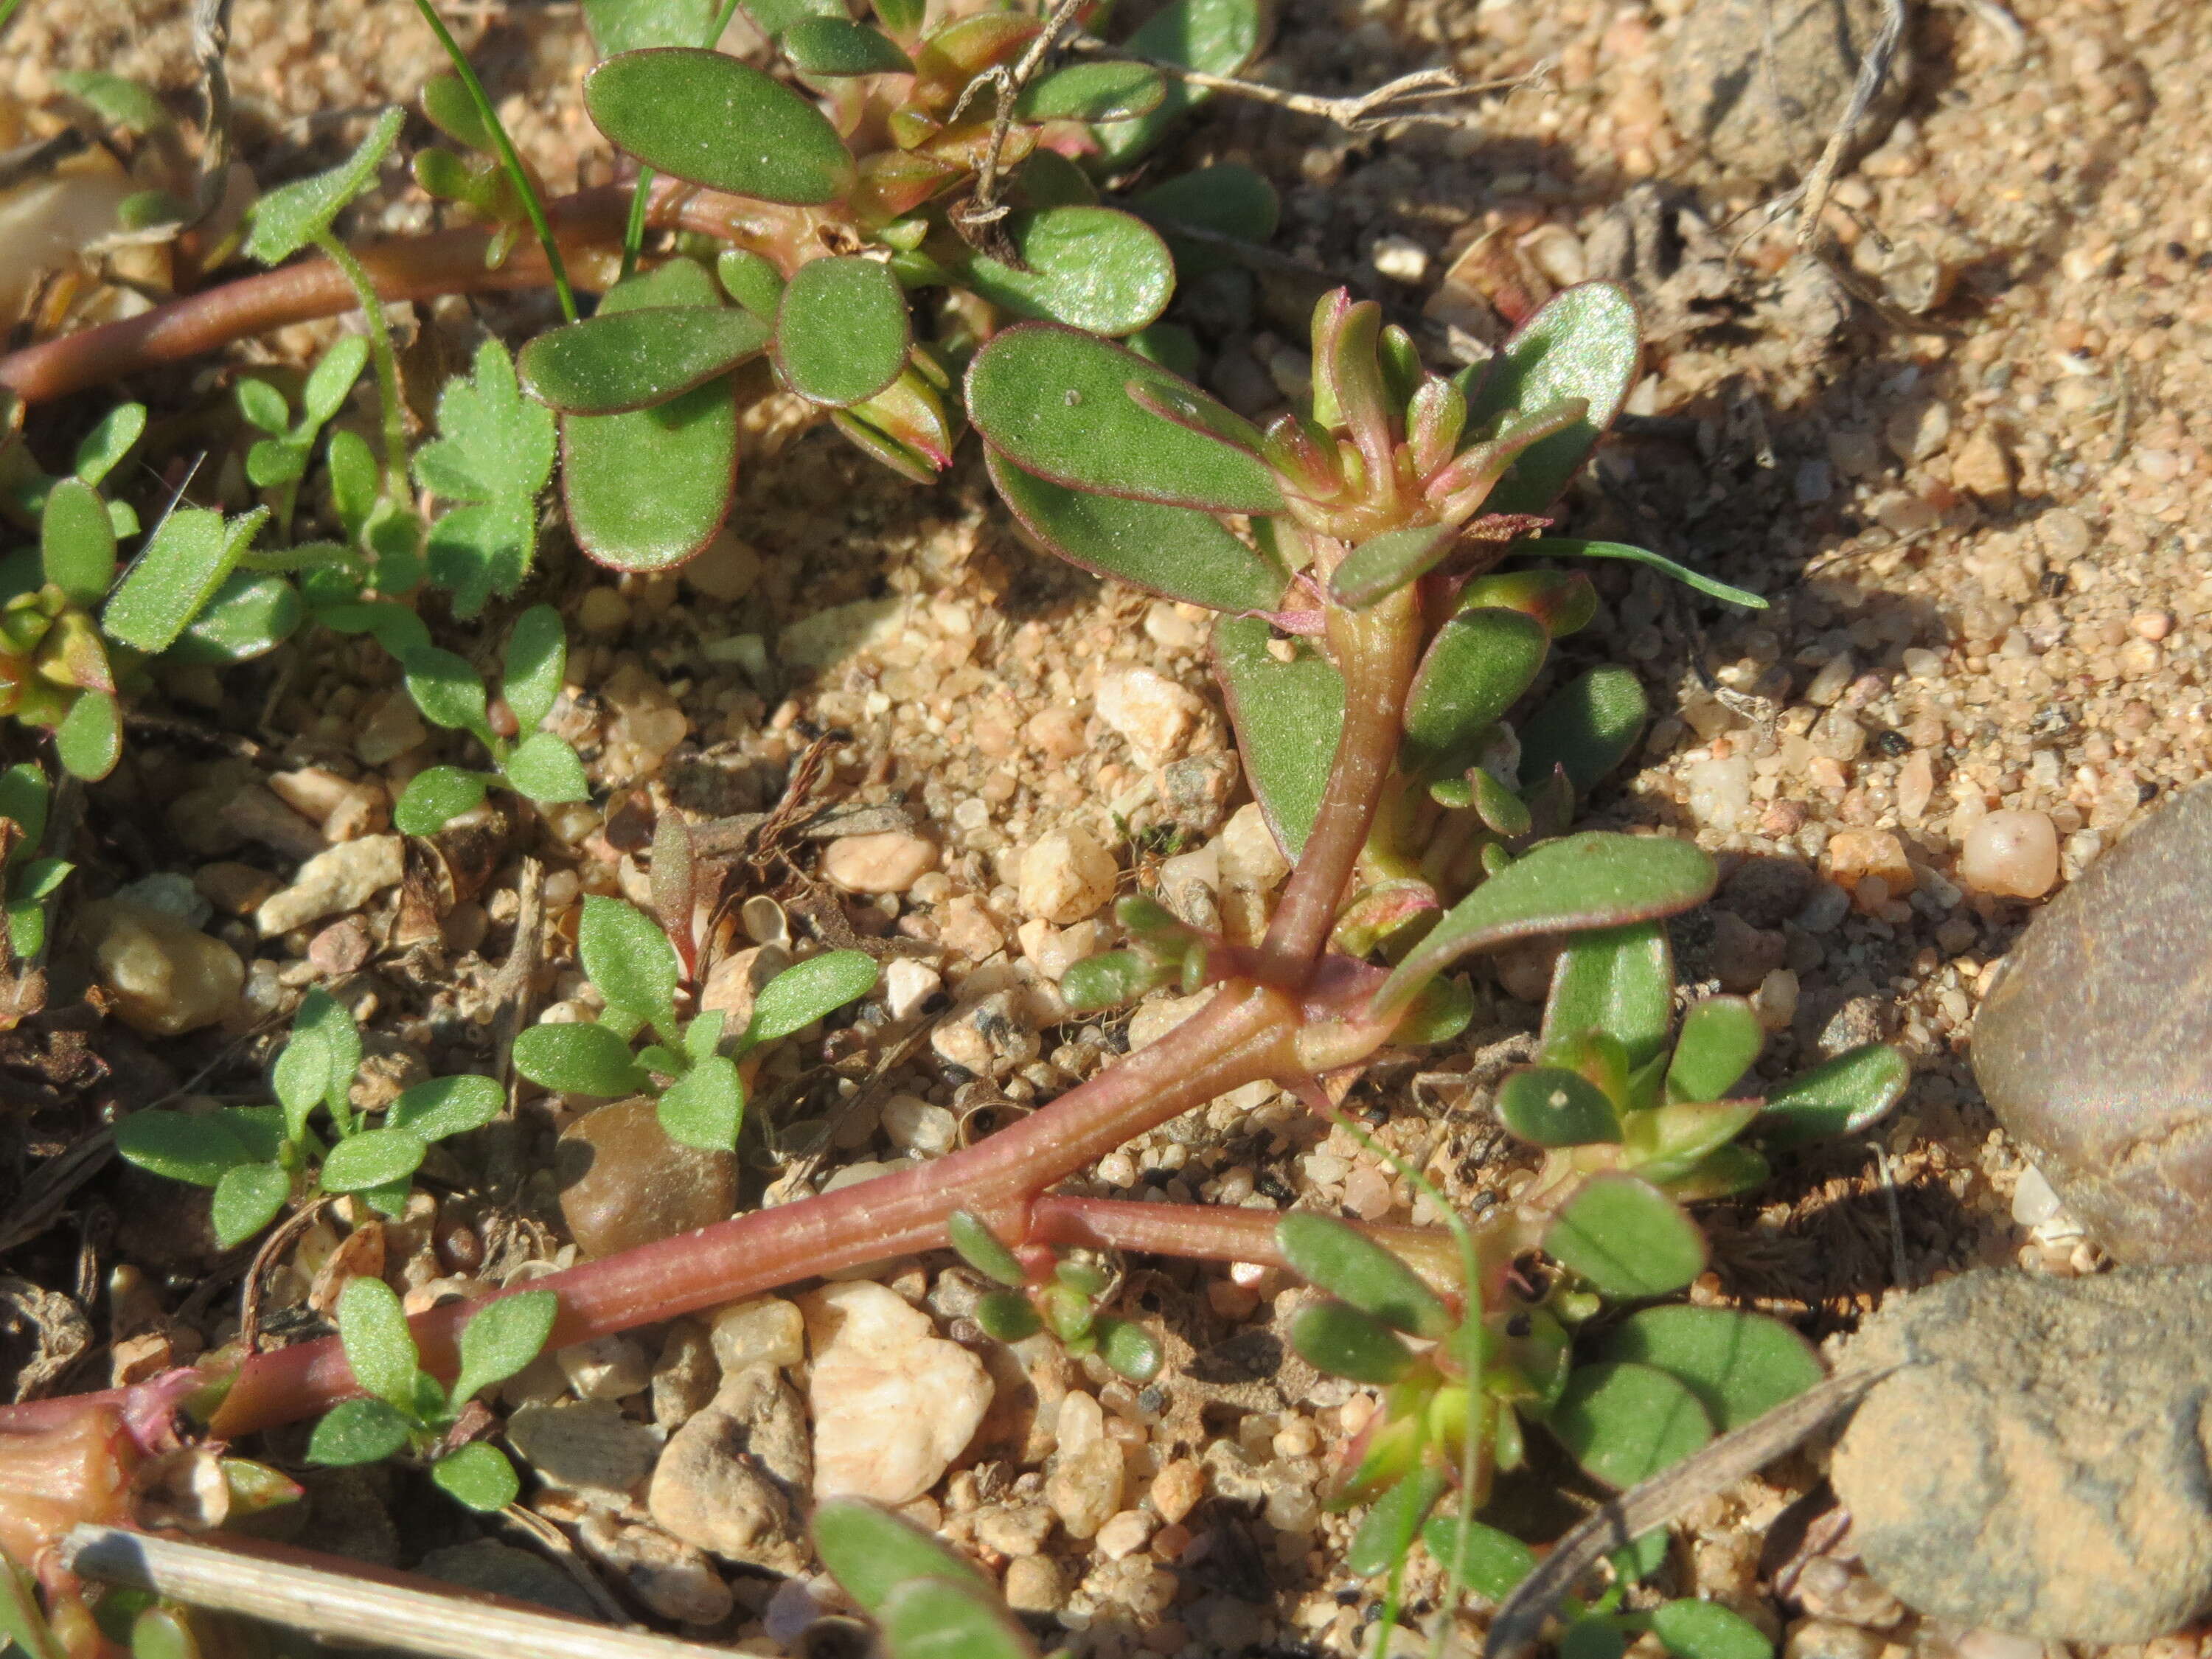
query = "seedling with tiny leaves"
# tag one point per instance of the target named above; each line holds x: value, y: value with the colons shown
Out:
x: 1056, y: 1290
x: 258, y: 1158
x: 278, y: 460
x: 536, y: 764
x: 696, y: 1069
x: 405, y: 1410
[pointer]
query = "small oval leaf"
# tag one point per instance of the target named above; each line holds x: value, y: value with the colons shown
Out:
x: 1624, y: 1423
x: 707, y: 118
x: 1337, y: 1338
x: 1620, y: 980
x: 1740, y: 1365
x: 1586, y: 342
x: 1056, y: 402
x: 1387, y: 1533
x: 248, y: 616
x: 375, y: 1158
x: 841, y: 330
x: 1588, y: 727
x: 1178, y: 551
x: 1476, y: 668
x: 1091, y: 268
x: 1288, y: 716
x: 1841, y: 1097
x: 1627, y: 1238
x: 1720, y: 1038
x: 1345, y: 1262
x: 1595, y: 880
x: 831, y: 46
x: 628, y: 360
x: 1106, y: 91
x: 1550, y: 1106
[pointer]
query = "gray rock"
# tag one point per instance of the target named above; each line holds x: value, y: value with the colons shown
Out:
x: 2095, y: 1049
x: 729, y: 1481
x: 502, y: 1569
x: 1761, y: 84
x: 2040, y: 1468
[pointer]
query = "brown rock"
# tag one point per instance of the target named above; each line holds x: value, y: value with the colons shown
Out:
x: 2095, y: 1047
x: 729, y: 1481
x: 624, y: 1182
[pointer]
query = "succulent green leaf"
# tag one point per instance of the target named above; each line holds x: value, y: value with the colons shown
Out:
x: 1491, y: 1563
x: 619, y: 26
x: 1092, y: 268
x: 77, y: 542
x: 1112, y: 978
x: 446, y: 102
x: 981, y: 1250
x: 629, y: 959
x: 1588, y: 727
x: 446, y: 1106
x: 870, y: 1553
x: 710, y: 119
x: 292, y: 215
x: 1624, y: 1423
x: 1128, y: 1350
x: 647, y: 490
x: 1627, y: 1238
x: 628, y: 360
x: 1586, y: 342
x: 1288, y: 716
x: 1387, y: 1535
x: 830, y: 46
x: 1382, y: 564
x: 378, y: 1346
x: 581, y: 1059
x: 1720, y: 1038
x: 496, y: 452
x: 1740, y: 1365
x: 1217, y: 36
x: 1101, y: 91
x: 436, y: 796
x: 1476, y: 668
x: 375, y: 1158
x: 1706, y: 1630
x: 102, y: 449
x: 500, y: 1337
x: 247, y: 1200
x: 949, y: 1618
x: 1620, y: 980
x: 1337, y: 1338
x: 806, y: 991
x: 357, y: 1431
x: 190, y: 554
x: 704, y: 1107
x: 1228, y: 199
x: 1672, y: 1141
x: 1841, y: 1097
x: 191, y: 1146
x: 1550, y: 1106
x: 1724, y: 1172
x: 26, y: 797
x: 773, y: 17
x: 1008, y: 1316
x: 1179, y: 551
x: 532, y: 668
x: 479, y: 1476
x: 751, y: 279
x: 1344, y: 1261
x: 1568, y: 547
x: 841, y: 330
x: 89, y: 740
x: 249, y: 616
x: 1595, y: 880
x: 1056, y: 403
x: 1562, y: 601
x: 116, y: 101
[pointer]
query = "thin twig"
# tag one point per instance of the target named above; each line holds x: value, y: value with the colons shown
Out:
x: 977, y: 219
x: 512, y: 987
x: 210, y: 41
x: 349, y: 1602
x: 554, y: 1543
x: 279, y: 1241
x: 1354, y: 113
x: 1873, y: 69
x: 1715, y: 1467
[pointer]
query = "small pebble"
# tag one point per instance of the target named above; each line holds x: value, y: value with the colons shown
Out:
x: 2011, y: 854
x: 1033, y: 1584
x: 1124, y: 1534
x: 588, y: 1447
x: 894, y: 1403
x: 889, y: 861
x: 165, y: 978
x: 1400, y: 259
x: 765, y: 1331
x: 604, y: 1368
x: 914, y: 1125
x: 1156, y: 716
x: 907, y: 984
x: 730, y: 1478
x: 1065, y: 876
x: 344, y: 877
x: 623, y: 1182
x: 1083, y: 1482
x: 1177, y: 1488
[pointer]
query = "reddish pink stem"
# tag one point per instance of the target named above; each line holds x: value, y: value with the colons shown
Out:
x: 1216, y: 1233
x: 406, y: 268
x: 1245, y: 1034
